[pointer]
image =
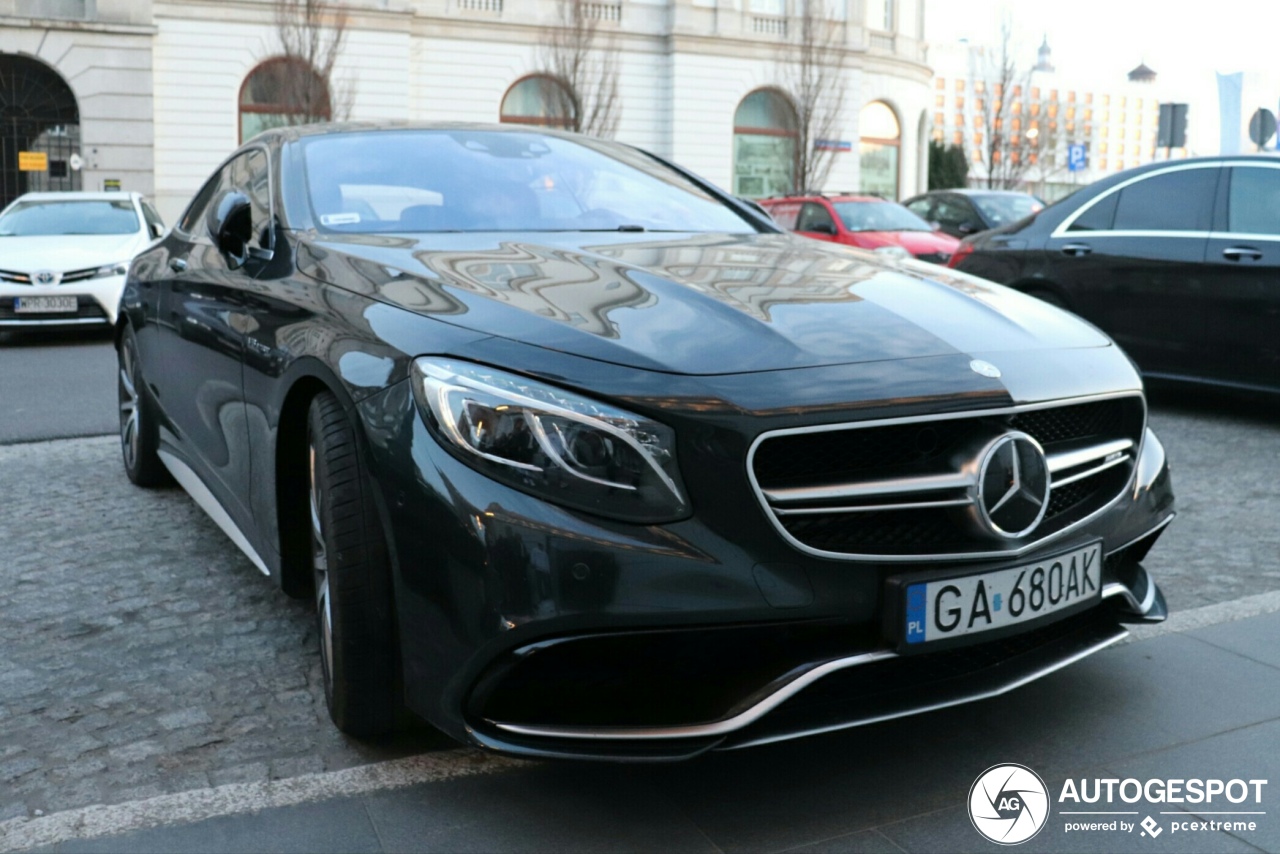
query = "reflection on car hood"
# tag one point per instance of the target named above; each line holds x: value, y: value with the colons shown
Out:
x: 62, y: 252
x: 915, y: 242
x: 693, y: 304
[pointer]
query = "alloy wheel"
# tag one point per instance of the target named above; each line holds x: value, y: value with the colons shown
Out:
x: 320, y: 566
x: 129, y: 409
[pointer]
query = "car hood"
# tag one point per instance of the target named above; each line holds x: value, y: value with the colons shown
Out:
x: 915, y: 242
x: 700, y: 304
x: 62, y: 252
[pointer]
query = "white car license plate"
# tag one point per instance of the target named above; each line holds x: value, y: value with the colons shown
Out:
x: 44, y: 305
x: 953, y: 607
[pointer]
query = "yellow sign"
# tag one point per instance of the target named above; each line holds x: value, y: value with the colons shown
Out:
x: 33, y: 161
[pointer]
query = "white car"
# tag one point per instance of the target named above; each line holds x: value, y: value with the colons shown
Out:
x: 63, y: 256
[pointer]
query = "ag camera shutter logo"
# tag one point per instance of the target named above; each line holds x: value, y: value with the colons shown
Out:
x: 1008, y: 804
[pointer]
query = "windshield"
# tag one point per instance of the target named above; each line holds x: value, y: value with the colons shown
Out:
x: 1000, y: 210
x: 407, y: 180
x: 879, y: 216
x: 28, y: 219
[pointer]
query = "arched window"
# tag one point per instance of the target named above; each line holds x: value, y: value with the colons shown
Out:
x: 38, y: 113
x: 539, y: 100
x: 764, y: 145
x: 880, y: 137
x: 279, y: 92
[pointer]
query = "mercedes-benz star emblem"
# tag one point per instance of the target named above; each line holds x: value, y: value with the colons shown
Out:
x: 985, y: 369
x: 1012, y: 492
x: 45, y: 277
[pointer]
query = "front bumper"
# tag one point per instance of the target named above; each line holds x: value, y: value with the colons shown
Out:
x: 531, y: 629
x: 97, y: 301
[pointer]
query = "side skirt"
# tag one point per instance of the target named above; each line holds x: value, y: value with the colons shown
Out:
x: 191, y: 482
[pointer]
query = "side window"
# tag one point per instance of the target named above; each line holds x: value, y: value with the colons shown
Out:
x: 814, y: 214
x: 249, y: 174
x: 785, y: 215
x: 1253, y: 202
x: 1174, y: 201
x: 920, y: 207
x: 192, y: 221
x: 952, y: 212
x: 1099, y: 217
x: 155, y: 225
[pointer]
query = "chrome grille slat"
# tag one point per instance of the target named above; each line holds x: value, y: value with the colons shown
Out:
x: 871, y: 512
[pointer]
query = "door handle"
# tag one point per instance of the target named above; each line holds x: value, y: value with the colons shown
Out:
x: 1077, y: 249
x: 178, y: 265
x: 1236, y: 253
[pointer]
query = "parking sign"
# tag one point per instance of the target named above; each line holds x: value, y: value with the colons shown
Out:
x: 1077, y: 158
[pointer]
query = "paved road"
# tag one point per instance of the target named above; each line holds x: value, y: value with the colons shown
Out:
x: 56, y: 384
x: 143, y: 655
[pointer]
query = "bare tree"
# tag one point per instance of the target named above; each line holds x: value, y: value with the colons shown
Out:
x: 1006, y: 151
x: 583, y: 89
x: 814, y: 62
x: 311, y: 36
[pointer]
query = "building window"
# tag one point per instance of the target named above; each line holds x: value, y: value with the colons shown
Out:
x: 959, y: 85
x: 941, y: 83
x: 890, y: 22
x: 940, y: 100
x: 280, y: 92
x: 959, y: 102
x: 939, y: 119
x: 765, y: 137
x: 880, y: 137
x: 539, y: 100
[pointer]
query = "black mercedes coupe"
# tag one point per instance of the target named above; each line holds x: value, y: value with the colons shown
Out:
x: 578, y: 456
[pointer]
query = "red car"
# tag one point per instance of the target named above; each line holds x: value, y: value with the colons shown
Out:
x: 863, y: 221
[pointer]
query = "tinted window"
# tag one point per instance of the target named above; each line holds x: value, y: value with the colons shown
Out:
x: 465, y: 180
x: 1253, y: 205
x: 784, y: 215
x: 879, y: 216
x: 191, y: 220
x: 1174, y: 201
x: 954, y: 212
x: 920, y: 207
x: 1000, y: 210
x: 69, y: 217
x: 1099, y: 217
x: 815, y: 215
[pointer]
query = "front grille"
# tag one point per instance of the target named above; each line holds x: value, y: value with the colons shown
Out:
x: 78, y: 275
x: 15, y: 277
x: 904, y: 490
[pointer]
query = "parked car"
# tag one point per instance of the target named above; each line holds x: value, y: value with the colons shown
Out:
x: 1178, y: 262
x: 964, y: 212
x: 867, y: 222
x: 578, y: 456
x: 63, y: 256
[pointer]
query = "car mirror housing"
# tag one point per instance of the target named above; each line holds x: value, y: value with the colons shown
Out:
x: 824, y: 228
x: 231, y: 226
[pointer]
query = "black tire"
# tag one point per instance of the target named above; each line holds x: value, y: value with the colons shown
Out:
x: 139, y: 429
x: 354, y: 611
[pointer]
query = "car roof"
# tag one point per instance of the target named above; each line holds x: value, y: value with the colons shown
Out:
x: 79, y: 196
x: 293, y: 132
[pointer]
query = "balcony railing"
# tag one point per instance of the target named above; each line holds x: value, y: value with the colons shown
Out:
x: 768, y: 25
x: 603, y: 11
x: 493, y: 7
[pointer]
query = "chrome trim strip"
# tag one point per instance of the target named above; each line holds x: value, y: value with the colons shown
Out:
x: 968, y: 698
x: 1090, y: 472
x: 922, y: 419
x: 191, y: 482
x: 1115, y: 588
x: 722, y: 727
x: 1061, y: 230
x: 906, y: 505
x: 926, y: 483
x: 1071, y: 459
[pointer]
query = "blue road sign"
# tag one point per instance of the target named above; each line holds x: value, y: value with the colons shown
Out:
x: 1077, y: 158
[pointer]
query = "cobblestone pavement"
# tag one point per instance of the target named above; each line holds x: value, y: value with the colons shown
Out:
x: 143, y: 654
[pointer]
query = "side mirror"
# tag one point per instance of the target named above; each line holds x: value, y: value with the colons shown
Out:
x: 935, y: 225
x: 968, y: 228
x: 823, y: 228
x: 230, y: 222
x: 157, y: 230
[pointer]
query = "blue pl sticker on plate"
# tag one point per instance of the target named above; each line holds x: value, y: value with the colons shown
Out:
x: 915, y: 613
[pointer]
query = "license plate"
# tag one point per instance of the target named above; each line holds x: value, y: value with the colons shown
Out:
x: 44, y: 305
x: 955, y: 607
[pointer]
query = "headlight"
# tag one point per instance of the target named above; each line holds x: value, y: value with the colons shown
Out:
x: 117, y: 269
x: 552, y: 443
x: 892, y: 251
